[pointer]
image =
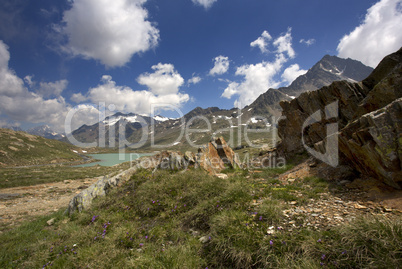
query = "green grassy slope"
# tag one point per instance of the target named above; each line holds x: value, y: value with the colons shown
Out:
x: 23, y: 149
x: 192, y: 220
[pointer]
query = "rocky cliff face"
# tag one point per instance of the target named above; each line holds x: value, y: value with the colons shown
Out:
x: 367, y: 116
x: 372, y: 144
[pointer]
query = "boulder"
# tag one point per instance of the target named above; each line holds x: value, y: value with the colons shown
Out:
x: 372, y: 144
x: 216, y: 156
x: 100, y: 188
x: 176, y: 160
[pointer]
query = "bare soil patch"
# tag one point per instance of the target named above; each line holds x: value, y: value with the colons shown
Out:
x: 21, y: 203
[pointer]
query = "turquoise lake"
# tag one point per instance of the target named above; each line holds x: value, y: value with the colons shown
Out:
x: 110, y: 159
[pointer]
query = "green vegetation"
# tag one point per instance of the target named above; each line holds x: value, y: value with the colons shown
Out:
x: 28, y: 176
x: 193, y: 220
x: 23, y: 149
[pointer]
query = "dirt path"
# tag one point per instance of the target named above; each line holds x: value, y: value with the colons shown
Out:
x: 21, y: 203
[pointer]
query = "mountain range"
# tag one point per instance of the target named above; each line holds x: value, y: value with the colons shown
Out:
x: 257, y: 115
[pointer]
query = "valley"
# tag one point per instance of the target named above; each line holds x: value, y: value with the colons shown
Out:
x: 222, y: 188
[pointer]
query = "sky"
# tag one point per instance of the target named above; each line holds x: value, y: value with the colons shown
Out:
x: 82, y: 60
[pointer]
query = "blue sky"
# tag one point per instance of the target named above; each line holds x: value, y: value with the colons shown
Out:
x: 71, y: 55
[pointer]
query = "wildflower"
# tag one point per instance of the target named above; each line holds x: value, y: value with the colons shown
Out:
x: 322, y: 264
x: 146, y: 237
x: 323, y: 257
x: 319, y: 241
x: 343, y: 252
x: 271, y: 242
x: 141, y: 244
x: 94, y: 218
x: 260, y: 218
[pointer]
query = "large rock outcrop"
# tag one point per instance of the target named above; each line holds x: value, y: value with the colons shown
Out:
x: 372, y: 144
x: 367, y: 117
x: 216, y: 156
x: 84, y: 199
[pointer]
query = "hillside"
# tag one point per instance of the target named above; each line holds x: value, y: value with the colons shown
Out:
x: 193, y: 220
x: 22, y: 149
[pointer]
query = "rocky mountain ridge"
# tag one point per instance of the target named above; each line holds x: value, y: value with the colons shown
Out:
x: 257, y: 115
x: 323, y: 73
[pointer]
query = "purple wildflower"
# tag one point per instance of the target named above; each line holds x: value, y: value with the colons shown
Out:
x: 271, y: 242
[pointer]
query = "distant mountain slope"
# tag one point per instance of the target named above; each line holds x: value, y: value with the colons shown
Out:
x: 326, y: 71
x: 112, y: 125
x: 20, y: 148
x: 323, y: 73
x: 222, y: 121
x: 46, y: 132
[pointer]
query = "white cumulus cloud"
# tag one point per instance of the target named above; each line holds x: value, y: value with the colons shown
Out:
x: 377, y: 36
x: 163, y: 88
x: 262, y: 42
x: 20, y: 104
x: 52, y: 89
x: 284, y: 44
x: 165, y: 80
x: 78, y: 98
x: 194, y: 80
x: 258, y: 78
x: 292, y: 72
x: 108, y: 31
x: 308, y: 42
x: 221, y: 65
x: 205, y: 3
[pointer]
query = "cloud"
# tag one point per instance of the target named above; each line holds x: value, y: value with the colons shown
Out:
x: 377, y: 36
x: 52, y: 89
x: 17, y: 103
x: 88, y: 114
x: 284, y: 44
x: 163, y: 88
x: 108, y: 31
x: 308, y: 42
x: 78, y: 98
x: 165, y: 80
x: 292, y: 72
x: 194, y: 80
x: 205, y: 3
x: 46, y: 89
x: 258, y: 78
x: 262, y: 42
x: 221, y: 66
